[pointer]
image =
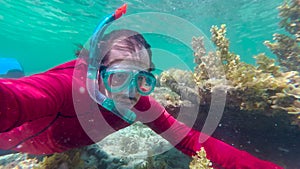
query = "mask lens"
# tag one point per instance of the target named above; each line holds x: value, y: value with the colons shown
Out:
x: 119, y: 80
x: 145, y: 82
x: 116, y: 80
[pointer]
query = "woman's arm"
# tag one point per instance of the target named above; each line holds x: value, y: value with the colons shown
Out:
x: 187, y: 140
x: 37, y: 96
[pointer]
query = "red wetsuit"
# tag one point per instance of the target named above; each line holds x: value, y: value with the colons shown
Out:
x: 39, y: 115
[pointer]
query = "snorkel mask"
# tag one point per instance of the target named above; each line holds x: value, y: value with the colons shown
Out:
x: 118, y: 79
x: 115, y: 79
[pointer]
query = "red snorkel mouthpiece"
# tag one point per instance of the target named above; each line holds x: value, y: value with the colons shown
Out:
x: 120, y: 11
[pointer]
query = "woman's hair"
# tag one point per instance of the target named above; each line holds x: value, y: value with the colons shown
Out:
x: 126, y: 40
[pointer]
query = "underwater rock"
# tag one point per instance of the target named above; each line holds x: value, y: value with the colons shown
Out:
x: 17, y: 161
x: 133, y: 147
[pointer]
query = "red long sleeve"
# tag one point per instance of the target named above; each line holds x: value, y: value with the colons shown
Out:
x: 38, y: 99
x: 30, y: 98
x: 187, y: 140
x: 39, y: 114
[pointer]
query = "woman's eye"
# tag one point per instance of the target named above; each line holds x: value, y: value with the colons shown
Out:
x: 141, y: 78
x: 118, y: 78
x: 121, y: 76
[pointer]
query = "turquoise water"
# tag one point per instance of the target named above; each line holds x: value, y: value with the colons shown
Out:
x: 42, y: 34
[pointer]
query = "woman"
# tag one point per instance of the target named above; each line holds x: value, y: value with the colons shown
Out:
x: 53, y: 111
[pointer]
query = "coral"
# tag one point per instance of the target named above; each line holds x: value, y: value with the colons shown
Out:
x: 174, y: 79
x: 248, y: 86
x: 208, y: 67
x: 166, y: 97
x: 200, y: 161
x: 289, y: 98
x: 222, y: 44
x: 289, y: 11
x: 69, y: 159
x: 260, y: 98
x: 18, y: 160
x: 263, y: 87
x: 240, y: 74
x: 287, y: 51
x: 151, y: 163
x: 267, y: 65
x: 286, y: 47
x: 25, y: 164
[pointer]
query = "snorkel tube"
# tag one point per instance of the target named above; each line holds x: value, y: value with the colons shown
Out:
x: 94, y: 64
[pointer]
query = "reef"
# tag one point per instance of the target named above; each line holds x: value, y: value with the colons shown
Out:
x: 200, y: 161
x: 262, y: 87
x: 17, y: 161
x: 250, y: 87
x: 69, y: 159
x: 289, y: 12
x: 286, y: 46
x: 261, y: 99
x: 287, y: 50
x: 134, y: 147
x: 261, y: 115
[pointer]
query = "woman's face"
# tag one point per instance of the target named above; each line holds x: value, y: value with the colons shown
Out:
x: 121, y: 59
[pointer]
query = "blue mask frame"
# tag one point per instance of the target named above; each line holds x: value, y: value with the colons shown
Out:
x: 131, y: 81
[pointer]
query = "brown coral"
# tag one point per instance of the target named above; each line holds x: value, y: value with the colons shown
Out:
x: 286, y: 47
x: 289, y: 11
x: 248, y: 86
x: 69, y: 159
x: 287, y: 51
x: 200, y: 161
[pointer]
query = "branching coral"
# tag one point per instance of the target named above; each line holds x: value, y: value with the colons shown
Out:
x: 267, y: 65
x: 289, y: 11
x: 208, y: 66
x: 174, y: 79
x: 222, y: 44
x: 285, y: 47
x: 249, y: 86
x: 289, y: 98
x: 287, y: 51
x: 264, y: 86
x: 209, y: 71
x: 200, y: 161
